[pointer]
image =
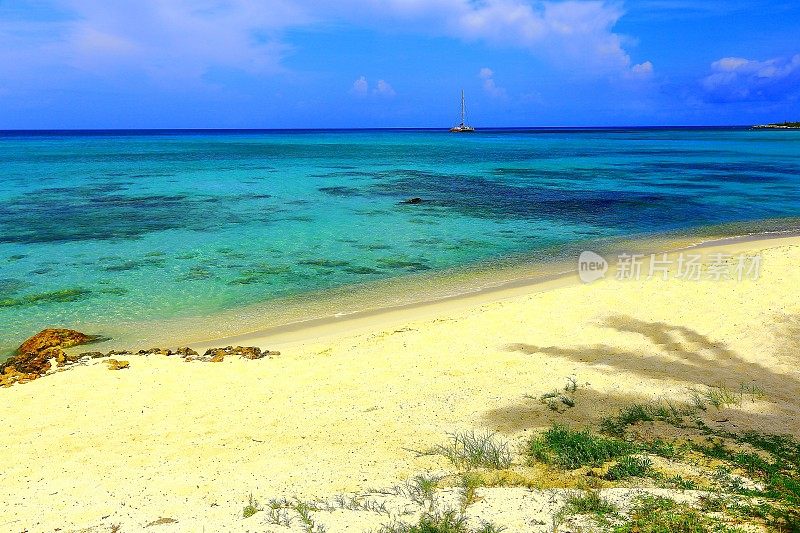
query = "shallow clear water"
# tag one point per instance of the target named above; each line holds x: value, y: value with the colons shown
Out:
x: 114, y: 229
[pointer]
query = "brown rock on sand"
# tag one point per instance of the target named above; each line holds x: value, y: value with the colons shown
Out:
x: 34, y: 363
x: 54, y: 338
x: 216, y: 355
x: 33, y: 357
x: 114, y: 364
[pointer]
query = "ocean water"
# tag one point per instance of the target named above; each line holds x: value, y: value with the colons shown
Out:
x: 115, y: 232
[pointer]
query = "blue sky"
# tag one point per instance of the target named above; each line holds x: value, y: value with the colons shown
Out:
x: 396, y: 63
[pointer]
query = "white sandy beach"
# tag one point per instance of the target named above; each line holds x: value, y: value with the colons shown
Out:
x: 344, y: 404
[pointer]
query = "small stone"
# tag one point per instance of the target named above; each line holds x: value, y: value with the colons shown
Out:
x: 95, y: 355
x: 114, y: 364
x: 248, y: 352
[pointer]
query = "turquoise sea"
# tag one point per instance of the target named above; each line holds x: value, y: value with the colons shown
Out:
x: 135, y: 233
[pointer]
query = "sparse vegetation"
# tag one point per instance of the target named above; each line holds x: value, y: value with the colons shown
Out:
x: 251, y: 508
x: 662, y: 448
x: 679, y: 482
x: 639, y: 412
x: 554, y: 399
x: 421, y: 488
x: 445, y: 522
x: 470, y: 482
x: 469, y: 449
x: 571, y: 449
x: 279, y: 514
x: 719, y: 397
x: 749, y: 486
x: 630, y: 466
x: 548, y: 395
x: 356, y: 503
x: 653, y: 514
x: 588, y: 503
x: 746, y: 481
x: 572, y: 385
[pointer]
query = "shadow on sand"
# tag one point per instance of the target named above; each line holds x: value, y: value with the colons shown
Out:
x: 677, y: 353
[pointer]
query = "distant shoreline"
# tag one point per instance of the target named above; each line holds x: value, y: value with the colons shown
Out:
x: 778, y: 126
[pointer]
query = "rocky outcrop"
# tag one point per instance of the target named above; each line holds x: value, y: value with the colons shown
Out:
x: 55, y: 338
x: 34, y: 358
x: 33, y: 363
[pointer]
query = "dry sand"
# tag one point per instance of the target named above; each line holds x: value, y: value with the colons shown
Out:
x: 342, y: 407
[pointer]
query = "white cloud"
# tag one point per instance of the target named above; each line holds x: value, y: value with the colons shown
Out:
x: 384, y: 89
x: 729, y: 64
x: 642, y: 70
x: 738, y: 78
x: 360, y: 86
x: 729, y: 67
x: 574, y: 34
x: 170, y: 40
x: 180, y: 41
x: 489, y: 85
x: 493, y: 90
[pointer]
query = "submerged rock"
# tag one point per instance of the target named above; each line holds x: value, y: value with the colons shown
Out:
x: 415, y: 200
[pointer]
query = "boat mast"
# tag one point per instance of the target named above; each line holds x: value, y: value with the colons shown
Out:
x: 463, y: 109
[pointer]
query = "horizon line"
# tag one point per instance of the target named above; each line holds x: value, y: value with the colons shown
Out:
x: 401, y: 128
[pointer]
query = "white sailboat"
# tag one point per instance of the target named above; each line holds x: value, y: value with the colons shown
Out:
x: 462, y: 127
